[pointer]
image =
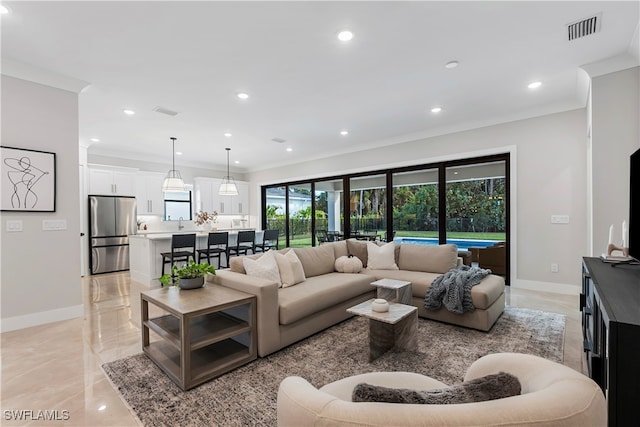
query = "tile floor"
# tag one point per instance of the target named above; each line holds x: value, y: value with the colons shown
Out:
x: 56, y: 367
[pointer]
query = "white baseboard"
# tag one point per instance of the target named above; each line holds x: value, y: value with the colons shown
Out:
x: 556, y: 288
x: 41, y: 318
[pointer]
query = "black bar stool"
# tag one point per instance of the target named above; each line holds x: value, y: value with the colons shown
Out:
x: 246, y: 240
x: 183, y: 247
x: 217, y: 244
x: 270, y: 240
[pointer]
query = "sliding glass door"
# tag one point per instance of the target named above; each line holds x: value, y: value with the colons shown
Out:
x: 415, y: 206
x: 368, y: 207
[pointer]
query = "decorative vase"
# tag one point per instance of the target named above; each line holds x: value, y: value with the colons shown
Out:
x: 194, y: 283
x: 380, y: 305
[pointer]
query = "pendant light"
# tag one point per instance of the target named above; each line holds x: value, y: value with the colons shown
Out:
x: 173, y: 182
x: 228, y: 186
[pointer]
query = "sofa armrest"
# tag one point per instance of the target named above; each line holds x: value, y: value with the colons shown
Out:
x: 266, y: 292
x: 300, y: 403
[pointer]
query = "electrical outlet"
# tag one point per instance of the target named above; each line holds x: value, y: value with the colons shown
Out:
x: 554, y: 268
x: 14, y: 225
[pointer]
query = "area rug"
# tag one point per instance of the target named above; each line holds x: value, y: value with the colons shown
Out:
x: 247, y: 395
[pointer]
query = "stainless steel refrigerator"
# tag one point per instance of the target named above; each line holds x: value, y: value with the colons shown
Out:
x: 111, y: 220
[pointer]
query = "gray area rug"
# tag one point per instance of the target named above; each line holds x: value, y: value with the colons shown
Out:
x: 247, y: 396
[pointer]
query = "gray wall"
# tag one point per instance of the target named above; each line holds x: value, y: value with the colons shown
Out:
x: 40, y: 276
x: 615, y: 135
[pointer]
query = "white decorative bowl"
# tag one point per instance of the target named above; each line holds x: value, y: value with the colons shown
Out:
x: 380, y: 305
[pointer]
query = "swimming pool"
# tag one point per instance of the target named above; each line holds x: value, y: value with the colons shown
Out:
x: 463, y: 244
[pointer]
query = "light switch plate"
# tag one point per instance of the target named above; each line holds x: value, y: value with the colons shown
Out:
x: 54, y: 224
x: 559, y: 219
x: 14, y: 225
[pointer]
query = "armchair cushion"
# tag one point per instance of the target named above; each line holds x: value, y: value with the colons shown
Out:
x: 490, y: 387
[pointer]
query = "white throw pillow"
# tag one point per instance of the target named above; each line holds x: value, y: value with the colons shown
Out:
x: 381, y: 257
x: 264, y: 267
x: 291, y: 270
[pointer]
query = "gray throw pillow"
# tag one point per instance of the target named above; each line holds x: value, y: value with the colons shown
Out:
x: 495, y: 386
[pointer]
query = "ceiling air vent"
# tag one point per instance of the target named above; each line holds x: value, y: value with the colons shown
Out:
x: 278, y: 140
x: 584, y: 27
x: 166, y: 111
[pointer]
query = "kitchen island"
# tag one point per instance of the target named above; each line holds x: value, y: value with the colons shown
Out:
x: 145, y: 261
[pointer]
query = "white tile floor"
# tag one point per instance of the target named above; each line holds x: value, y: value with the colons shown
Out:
x: 56, y: 367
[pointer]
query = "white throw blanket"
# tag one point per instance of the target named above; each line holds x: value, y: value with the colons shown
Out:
x: 453, y: 289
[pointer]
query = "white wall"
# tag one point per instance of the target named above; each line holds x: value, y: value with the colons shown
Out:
x: 40, y: 277
x: 615, y: 136
x: 549, y: 172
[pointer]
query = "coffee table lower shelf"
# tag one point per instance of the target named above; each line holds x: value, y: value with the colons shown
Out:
x: 206, y: 363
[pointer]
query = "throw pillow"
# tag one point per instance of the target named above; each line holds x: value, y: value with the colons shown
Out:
x: 291, y: 271
x: 264, y: 267
x: 490, y: 387
x: 381, y: 257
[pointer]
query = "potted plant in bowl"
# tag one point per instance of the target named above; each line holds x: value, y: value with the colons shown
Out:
x: 190, y: 276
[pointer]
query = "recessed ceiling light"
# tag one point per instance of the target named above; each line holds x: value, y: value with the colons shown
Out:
x: 4, y: 10
x: 178, y: 153
x: 242, y: 95
x: 94, y: 140
x: 237, y: 162
x: 289, y: 149
x: 534, y: 85
x: 345, y: 36
x: 228, y: 134
x: 129, y: 112
x: 344, y: 132
x: 102, y: 407
x: 436, y: 109
x: 451, y: 64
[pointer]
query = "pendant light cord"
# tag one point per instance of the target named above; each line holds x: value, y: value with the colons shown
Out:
x: 228, y: 173
x: 173, y: 153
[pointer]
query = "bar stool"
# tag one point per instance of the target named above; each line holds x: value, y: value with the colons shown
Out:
x: 183, y: 247
x: 217, y: 244
x: 270, y: 240
x: 246, y: 240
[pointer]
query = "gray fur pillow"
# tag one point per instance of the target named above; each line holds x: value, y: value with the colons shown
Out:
x: 495, y: 386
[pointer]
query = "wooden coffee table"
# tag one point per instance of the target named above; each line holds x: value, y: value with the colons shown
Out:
x: 397, y: 327
x: 205, y: 332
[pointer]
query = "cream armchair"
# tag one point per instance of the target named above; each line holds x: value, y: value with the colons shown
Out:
x: 552, y: 395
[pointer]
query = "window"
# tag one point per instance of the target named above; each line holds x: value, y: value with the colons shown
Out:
x: 177, y: 205
x: 464, y: 202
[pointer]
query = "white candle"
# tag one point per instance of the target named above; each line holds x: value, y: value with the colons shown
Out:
x: 611, y: 234
x: 624, y: 234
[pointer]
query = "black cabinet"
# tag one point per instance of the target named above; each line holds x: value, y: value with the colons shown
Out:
x: 610, y: 305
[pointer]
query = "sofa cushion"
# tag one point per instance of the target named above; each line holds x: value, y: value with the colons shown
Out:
x: 316, y: 260
x: 291, y: 271
x: 320, y: 292
x: 490, y: 387
x: 381, y: 257
x: 264, y: 267
x: 358, y: 248
x: 432, y: 259
x: 339, y: 248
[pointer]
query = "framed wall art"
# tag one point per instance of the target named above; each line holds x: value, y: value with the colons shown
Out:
x: 27, y: 180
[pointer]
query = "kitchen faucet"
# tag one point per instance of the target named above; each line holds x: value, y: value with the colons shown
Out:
x: 180, y: 226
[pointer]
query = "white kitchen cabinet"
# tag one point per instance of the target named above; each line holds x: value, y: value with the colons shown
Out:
x: 112, y: 181
x: 207, y: 198
x: 149, y: 197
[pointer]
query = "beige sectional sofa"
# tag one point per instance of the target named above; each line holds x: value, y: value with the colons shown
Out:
x: 288, y: 314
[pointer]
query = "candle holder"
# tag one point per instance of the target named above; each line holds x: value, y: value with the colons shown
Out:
x: 611, y: 248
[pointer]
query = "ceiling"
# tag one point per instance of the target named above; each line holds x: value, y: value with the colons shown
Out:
x: 305, y: 85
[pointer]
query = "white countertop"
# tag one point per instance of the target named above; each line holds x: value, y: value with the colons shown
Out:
x: 161, y: 235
